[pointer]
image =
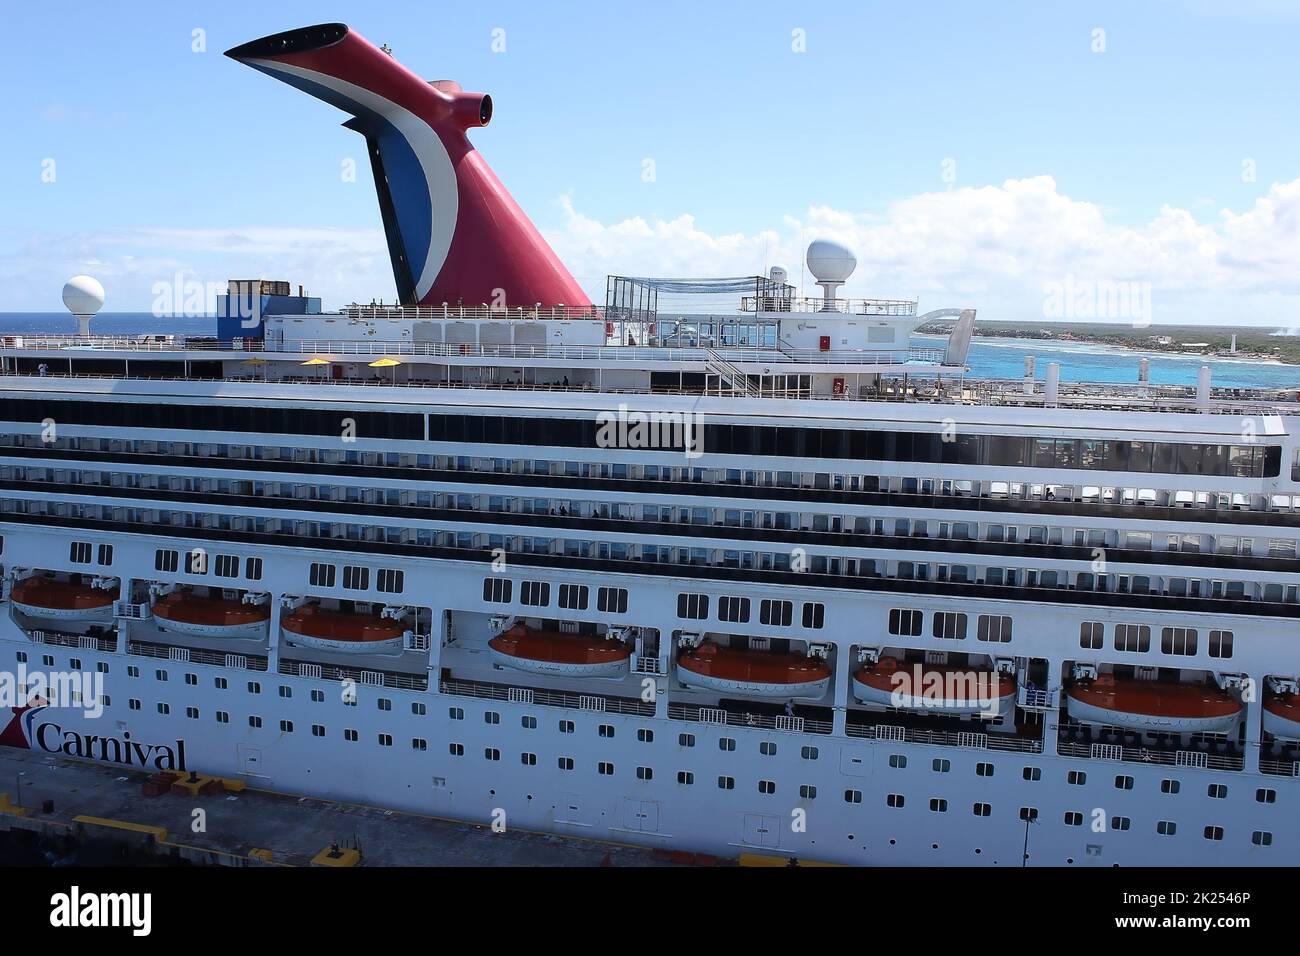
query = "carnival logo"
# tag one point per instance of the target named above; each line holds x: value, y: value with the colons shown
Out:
x: 30, y: 730
x: 52, y: 738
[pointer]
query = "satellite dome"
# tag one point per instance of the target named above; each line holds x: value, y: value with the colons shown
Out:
x: 83, y: 295
x: 830, y: 262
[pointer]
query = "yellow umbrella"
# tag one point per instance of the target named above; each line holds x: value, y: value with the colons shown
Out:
x: 316, y: 361
x: 387, y: 362
x: 257, y: 360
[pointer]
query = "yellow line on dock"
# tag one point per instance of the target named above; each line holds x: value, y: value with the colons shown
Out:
x: 158, y: 833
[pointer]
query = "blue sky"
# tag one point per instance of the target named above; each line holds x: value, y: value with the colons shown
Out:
x: 755, y: 146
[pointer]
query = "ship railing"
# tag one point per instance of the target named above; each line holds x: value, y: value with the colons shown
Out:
x: 1174, y: 758
x: 1281, y: 768
x: 85, y: 642
x: 1035, y: 700
x: 737, y: 718
x: 446, y: 311
x: 334, y: 673
x: 920, y: 387
x: 945, y: 738
x: 547, y: 698
x: 766, y: 303
x: 132, y: 611
x: 195, y: 655
x: 641, y: 664
x: 290, y: 349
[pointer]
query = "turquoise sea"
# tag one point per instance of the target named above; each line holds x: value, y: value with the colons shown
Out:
x: 989, y: 358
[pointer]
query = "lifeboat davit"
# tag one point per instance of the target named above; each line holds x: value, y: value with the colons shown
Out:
x: 561, y: 655
x: 932, y: 688
x: 62, y: 600
x: 184, y: 613
x: 1282, y: 716
x: 1146, y: 705
x: 343, y: 631
x: 753, y: 673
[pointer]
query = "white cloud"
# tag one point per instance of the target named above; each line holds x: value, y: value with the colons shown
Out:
x: 337, y: 264
x: 994, y: 248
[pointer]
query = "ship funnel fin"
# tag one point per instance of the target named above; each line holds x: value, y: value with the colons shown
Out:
x: 455, y: 235
x: 959, y: 338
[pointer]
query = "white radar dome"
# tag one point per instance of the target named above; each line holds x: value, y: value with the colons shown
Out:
x: 83, y: 295
x: 830, y: 262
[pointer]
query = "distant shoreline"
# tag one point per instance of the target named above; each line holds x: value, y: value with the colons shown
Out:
x: 1259, y: 346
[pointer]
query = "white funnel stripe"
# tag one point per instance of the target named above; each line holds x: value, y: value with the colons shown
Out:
x: 439, y: 174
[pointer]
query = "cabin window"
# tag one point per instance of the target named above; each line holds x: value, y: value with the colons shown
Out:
x: 321, y: 576
x: 734, y: 610
x: 1091, y: 635
x: 614, y: 601
x: 1133, y: 638
x: 775, y: 613
x: 949, y: 625
x: 1178, y: 640
x: 904, y: 622
x: 693, y: 606
x: 994, y: 628
x: 814, y: 615
x: 573, y: 597
x: 535, y: 593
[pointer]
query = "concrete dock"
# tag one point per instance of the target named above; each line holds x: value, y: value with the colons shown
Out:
x: 256, y: 828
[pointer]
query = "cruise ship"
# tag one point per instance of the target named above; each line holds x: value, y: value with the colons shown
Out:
x: 709, y: 567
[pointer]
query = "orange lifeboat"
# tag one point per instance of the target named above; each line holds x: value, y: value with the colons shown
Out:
x: 62, y: 600
x: 1282, y: 716
x: 562, y: 655
x: 1147, y: 705
x: 752, y: 673
x: 343, y: 631
x: 182, y: 612
x: 930, y: 688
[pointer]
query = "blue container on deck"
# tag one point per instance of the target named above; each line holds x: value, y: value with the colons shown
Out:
x: 241, y: 314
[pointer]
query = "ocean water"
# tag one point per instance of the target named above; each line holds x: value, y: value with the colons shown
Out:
x: 996, y: 358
